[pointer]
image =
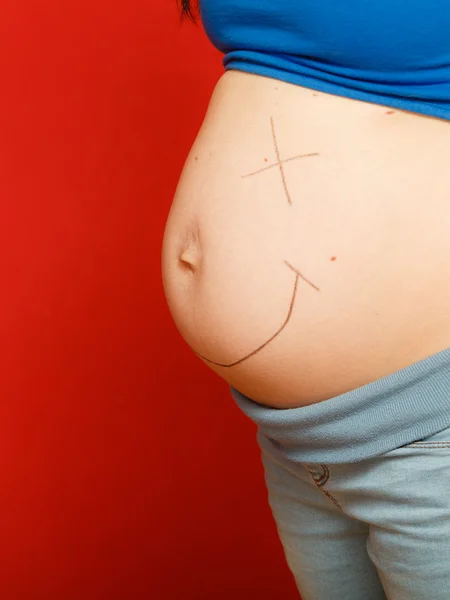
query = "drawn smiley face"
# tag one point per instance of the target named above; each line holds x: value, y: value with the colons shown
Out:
x: 298, y: 275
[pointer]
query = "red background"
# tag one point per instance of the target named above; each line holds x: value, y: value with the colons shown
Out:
x: 126, y: 469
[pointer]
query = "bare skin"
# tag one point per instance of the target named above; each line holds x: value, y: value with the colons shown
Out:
x: 291, y: 308
x: 279, y: 164
x: 365, y: 228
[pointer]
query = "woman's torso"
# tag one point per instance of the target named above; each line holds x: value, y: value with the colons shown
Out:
x: 307, y: 247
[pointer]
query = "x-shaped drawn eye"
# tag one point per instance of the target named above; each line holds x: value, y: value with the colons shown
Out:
x: 280, y: 162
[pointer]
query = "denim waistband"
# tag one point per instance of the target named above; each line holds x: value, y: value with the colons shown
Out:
x: 393, y: 411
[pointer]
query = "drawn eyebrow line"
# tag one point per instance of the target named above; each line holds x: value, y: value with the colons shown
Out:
x: 282, y: 162
x: 291, y: 308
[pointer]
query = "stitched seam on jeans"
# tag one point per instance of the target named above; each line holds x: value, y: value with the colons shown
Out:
x: 325, y: 477
x: 429, y: 444
x: 327, y: 474
x: 321, y: 479
x: 331, y: 498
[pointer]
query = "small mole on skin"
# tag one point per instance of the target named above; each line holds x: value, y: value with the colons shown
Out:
x: 390, y: 112
x: 333, y: 258
x: 266, y: 160
x: 196, y: 158
x: 315, y: 94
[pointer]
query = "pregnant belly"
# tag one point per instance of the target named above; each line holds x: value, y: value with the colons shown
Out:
x: 306, y: 252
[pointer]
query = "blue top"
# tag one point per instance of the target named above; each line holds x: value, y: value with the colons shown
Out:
x: 390, y: 52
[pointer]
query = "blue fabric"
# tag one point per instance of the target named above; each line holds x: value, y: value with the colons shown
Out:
x: 390, y: 52
x: 372, y: 530
x: 359, y: 486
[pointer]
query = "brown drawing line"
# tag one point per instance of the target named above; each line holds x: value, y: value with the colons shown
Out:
x: 280, y: 162
x: 283, y: 161
x: 265, y: 343
x: 291, y: 308
x: 302, y: 276
x: 277, y: 152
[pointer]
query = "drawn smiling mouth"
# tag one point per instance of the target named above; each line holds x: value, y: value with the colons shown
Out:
x: 291, y: 308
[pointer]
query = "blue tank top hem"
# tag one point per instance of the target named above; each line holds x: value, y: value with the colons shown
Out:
x: 313, y: 83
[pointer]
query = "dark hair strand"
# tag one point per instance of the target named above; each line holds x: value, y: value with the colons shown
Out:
x: 188, y: 9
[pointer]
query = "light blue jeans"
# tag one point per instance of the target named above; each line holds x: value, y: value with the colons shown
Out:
x: 359, y: 486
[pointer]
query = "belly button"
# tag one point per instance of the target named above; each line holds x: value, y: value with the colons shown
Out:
x: 190, y: 258
x: 189, y: 250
